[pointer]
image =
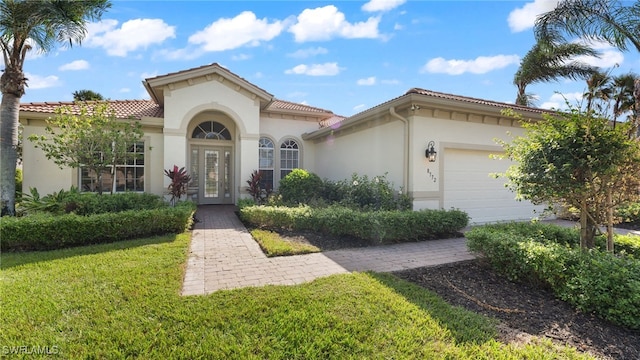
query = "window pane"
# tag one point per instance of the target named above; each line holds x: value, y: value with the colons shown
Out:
x: 128, y: 176
x: 266, y: 162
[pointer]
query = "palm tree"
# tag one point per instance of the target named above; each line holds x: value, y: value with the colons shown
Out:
x: 603, y: 20
x: 548, y: 61
x: 611, y: 21
x: 622, y: 95
x: 598, y: 88
x: 23, y: 24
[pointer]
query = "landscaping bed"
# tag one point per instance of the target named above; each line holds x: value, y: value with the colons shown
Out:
x: 525, y: 310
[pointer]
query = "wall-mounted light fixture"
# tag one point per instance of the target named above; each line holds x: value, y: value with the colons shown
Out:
x: 431, y: 152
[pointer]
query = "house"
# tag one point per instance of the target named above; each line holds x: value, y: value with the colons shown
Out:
x: 222, y: 127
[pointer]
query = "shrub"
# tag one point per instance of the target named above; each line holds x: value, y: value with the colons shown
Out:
x: 372, y: 194
x: 375, y: 226
x: 300, y: 187
x: 47, y: 232
x: 259, y: 189
x: 629, y: 214
x: 88, y: 203
x: 592, y: 281
x: 180, y: 180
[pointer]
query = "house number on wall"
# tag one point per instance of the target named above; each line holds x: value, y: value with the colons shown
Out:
x: 431, y: 175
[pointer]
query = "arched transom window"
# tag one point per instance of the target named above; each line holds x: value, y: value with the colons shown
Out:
x: 212, y: 130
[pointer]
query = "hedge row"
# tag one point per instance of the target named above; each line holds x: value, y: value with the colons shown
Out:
x: 592, y: 281
x: 47, y: 232
x: 376, y: 226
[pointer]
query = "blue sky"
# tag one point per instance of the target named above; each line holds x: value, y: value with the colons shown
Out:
x: 344, y: 56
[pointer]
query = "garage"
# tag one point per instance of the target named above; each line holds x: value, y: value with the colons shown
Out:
x: 469, y: 186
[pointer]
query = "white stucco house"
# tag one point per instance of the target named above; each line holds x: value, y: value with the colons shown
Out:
x: 222, y: 127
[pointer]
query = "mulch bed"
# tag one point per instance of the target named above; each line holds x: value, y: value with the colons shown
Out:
x: 524, y: 311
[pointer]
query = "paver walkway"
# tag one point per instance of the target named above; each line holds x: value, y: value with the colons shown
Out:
x: 223, y: 255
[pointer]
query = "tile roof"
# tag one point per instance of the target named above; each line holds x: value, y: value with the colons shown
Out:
x: 331, y: 121
x: 212, y: 66
x: 287, y: 105
x: 474, y: 100
x: 124, y: 109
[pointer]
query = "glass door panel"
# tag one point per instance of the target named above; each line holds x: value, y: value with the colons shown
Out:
x: 212, y: 172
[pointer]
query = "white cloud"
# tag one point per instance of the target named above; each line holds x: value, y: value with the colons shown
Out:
x: 148, y: 75
x: 382, y: 5
x: 132, y: 35
x: 609, y: 56
x: 325, y: 23
x: 367, y: 81
x: 326, y: 69
x: 524, y: 18
x: 359, y: 107
x: 125, y: 90
x: 242, y: 30
x: 187, y: 53
x: 241, y: 57
x: 38, y: 82
x: 75, y: 65
x: 309, y: 52
x: 559, y: 100
x: 480, y: 65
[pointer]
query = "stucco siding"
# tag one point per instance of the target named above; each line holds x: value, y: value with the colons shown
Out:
x: 38, y: 171
x: 371, y: 151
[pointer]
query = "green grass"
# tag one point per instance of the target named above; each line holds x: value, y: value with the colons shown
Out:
x: 273, y: 245
x: 121, y: 300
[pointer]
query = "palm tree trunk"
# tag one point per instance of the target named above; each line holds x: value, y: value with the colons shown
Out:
x: 9, y: 111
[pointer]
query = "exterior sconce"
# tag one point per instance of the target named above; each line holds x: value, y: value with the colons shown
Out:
x: 431, y: 152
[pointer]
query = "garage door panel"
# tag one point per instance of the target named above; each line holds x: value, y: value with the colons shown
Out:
x: 469, y: 186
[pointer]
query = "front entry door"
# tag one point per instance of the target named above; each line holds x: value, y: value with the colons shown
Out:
x: 212, y: 166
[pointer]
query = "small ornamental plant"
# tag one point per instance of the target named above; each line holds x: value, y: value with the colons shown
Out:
x: 180, y: 180
x: 258, y: 189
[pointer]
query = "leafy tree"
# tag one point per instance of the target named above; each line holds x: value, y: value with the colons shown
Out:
x: 93, y: 139
x: 550, y: 60
x: 87, y: 95
x: 23, y: 25
x: 577, y: 159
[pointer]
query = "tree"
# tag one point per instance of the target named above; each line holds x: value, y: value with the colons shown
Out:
x: 611, y: 21
x: 547, y: 61
x: 599, y: 90
x: 577, y: 159
x: 93, y: 139
x: 23, y: 25
x: 622, y: 96
x: 604, y: 20
x: 87, y: 95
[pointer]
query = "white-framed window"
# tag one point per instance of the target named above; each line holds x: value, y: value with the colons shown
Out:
x: 289, y: 157
x: 128, y: 177
x: 266, y: 161
x: 211, y: 130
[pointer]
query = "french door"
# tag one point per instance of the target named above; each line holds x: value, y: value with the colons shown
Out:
x: 211, y: 171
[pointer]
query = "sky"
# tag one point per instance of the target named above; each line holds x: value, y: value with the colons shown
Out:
x: 343, y: 56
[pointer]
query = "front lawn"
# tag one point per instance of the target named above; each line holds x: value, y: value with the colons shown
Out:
x: 121, y: 300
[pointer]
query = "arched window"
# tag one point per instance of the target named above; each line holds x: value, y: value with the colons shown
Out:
x: 289, y: 157
x: 266, y: 165
x: 211, y: 130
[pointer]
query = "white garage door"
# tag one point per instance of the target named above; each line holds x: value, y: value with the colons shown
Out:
x: 468, y: 186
